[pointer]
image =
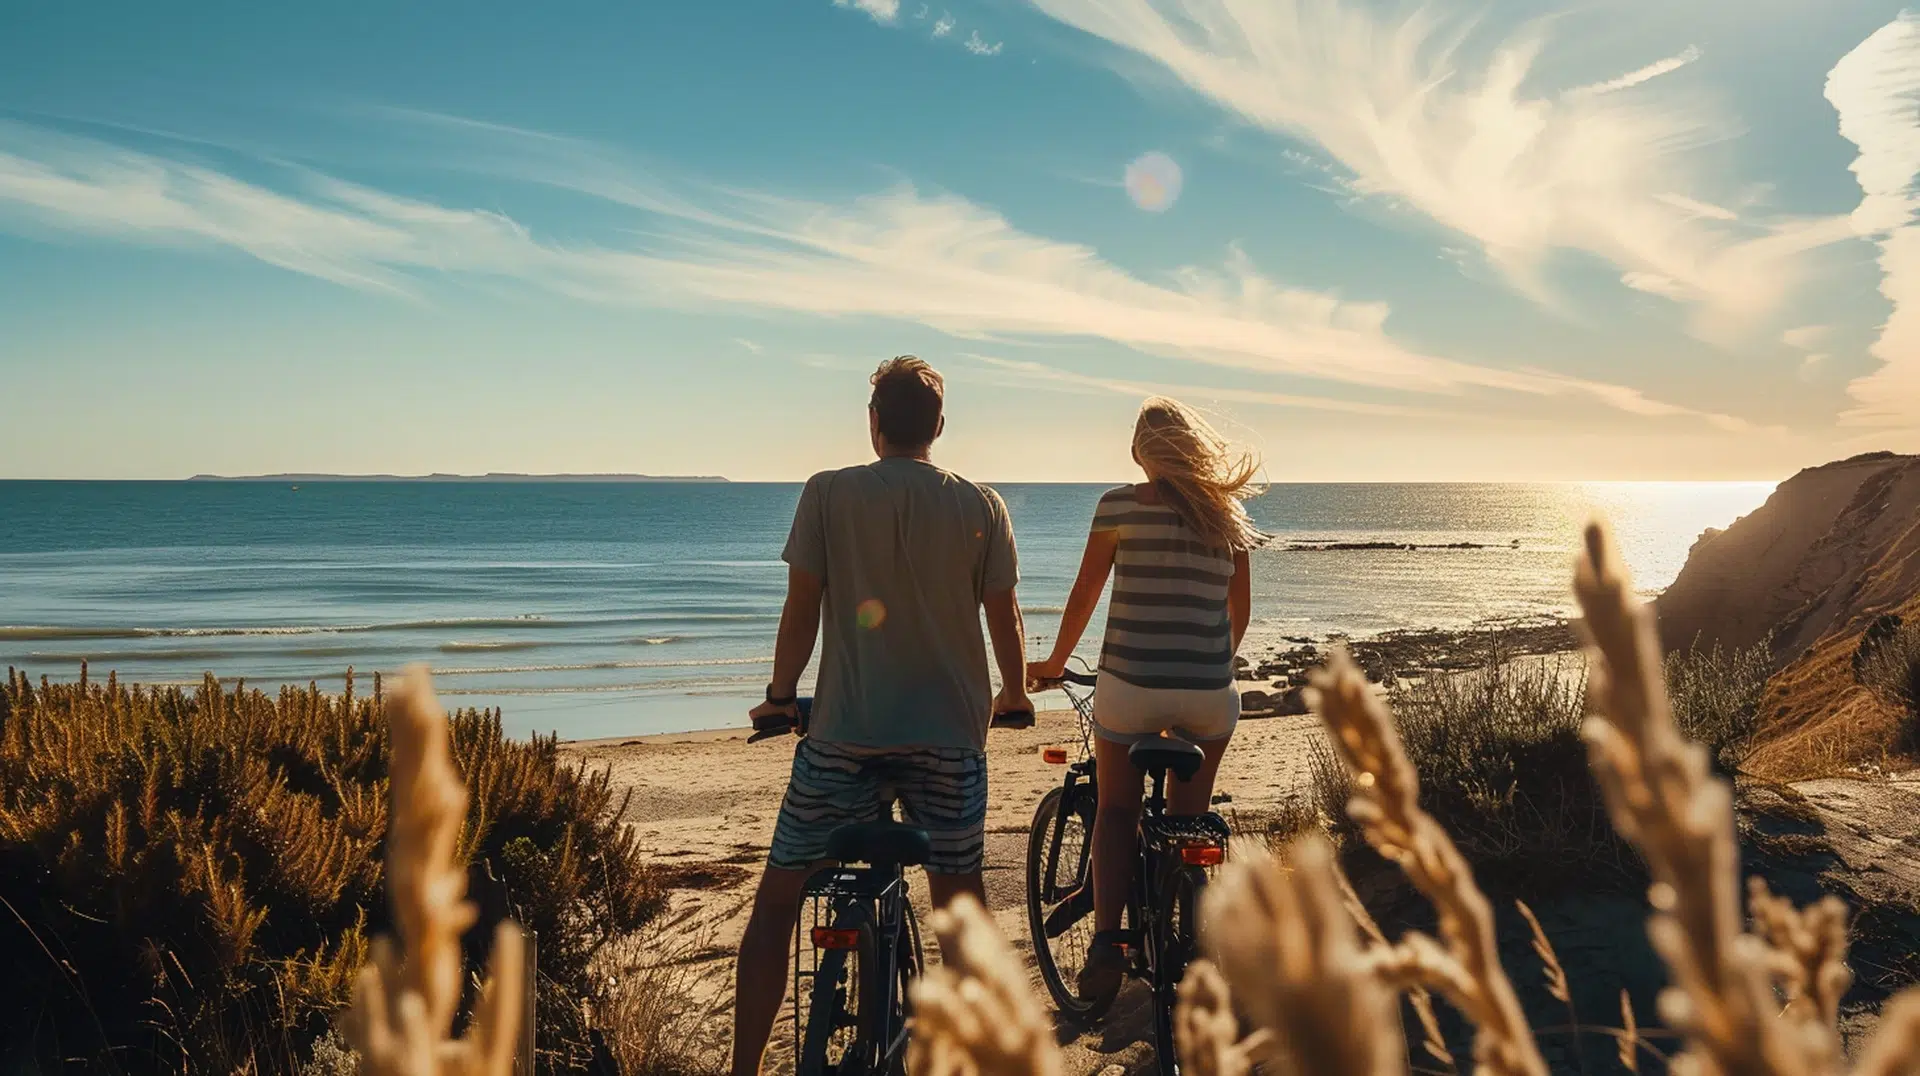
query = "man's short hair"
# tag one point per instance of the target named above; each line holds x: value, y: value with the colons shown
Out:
x: 907, y: 396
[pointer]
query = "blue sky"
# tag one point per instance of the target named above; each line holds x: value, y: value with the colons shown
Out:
x: 1622, y: 239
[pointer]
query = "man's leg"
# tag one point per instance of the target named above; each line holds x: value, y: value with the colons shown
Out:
x: 944, y: 791
x: 760, y: 976
x: 944, y: 887
x: 828, y: 788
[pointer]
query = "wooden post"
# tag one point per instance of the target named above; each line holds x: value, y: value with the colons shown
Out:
x: 528, y: 1000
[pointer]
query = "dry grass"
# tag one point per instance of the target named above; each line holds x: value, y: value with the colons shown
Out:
x: 1503, y: 768
x: 1890, y: 669
x: 1319, y: 990
x: 650, y: 1009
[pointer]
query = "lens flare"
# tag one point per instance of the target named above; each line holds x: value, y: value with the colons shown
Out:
x: 870, y: 614
x: 1153, y: 182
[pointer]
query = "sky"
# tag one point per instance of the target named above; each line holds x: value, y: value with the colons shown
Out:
x: 1618, y: 239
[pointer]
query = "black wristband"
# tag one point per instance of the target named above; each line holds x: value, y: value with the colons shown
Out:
x: 788, y: 701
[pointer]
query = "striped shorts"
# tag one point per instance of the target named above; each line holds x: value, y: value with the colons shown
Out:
x: 941, y: 790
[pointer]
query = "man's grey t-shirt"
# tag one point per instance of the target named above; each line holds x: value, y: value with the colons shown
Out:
x: 906, y: 551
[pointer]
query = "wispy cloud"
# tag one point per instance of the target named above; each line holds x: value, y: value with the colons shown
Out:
x: 1036, y: 374
x: 881, y: 10
x: 938, y: 261
x: 1645, y: 74
x: 329, y: 229
x: 1422, y: 122
x: 1876, y: 90
x: 943, y: 26
x: 749, y: 344
x: 978, y: 46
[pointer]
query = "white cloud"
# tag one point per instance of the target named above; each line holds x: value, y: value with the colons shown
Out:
x: 943, y: 26
x: 749, y: 344
x: 1876, y: 90
x: 980, y: 48
x: 1654, y: 284
x: 942, y: 262
x: 1401, y: 105
x: 1645, y: 74
x: 1693, y: 207
x: 881, y: 10
x: 1807, y: 337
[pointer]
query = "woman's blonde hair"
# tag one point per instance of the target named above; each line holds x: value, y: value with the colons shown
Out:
x: 1197, y: 473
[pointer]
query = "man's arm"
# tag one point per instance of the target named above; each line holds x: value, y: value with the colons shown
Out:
x: 1009, y: 635
x: 799, y: 630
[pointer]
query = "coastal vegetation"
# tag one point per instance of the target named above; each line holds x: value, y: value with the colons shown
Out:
x: 1297, y: 982
x: 1503, y: 767
x: 189, y: 879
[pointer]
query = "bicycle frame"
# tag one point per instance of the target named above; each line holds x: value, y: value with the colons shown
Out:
x: 1171, y: 854
x: 848, y: 893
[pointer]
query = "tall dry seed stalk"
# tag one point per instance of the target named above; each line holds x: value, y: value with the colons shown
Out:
x: 1464, y: 964
x: 975, y: 1014
x: 404, y: 1002
x: 1664, y: 798
x: 1288, y: 955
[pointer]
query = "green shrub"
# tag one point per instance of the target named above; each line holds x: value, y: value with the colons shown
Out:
x: 190, y: 879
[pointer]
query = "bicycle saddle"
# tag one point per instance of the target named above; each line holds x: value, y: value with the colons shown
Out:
x: 883, y: 844
x: 1177, y: 757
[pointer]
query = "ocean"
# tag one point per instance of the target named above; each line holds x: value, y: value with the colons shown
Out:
x: 626, y: 609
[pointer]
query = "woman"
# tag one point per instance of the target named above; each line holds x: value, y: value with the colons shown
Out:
x: 1177, y: 548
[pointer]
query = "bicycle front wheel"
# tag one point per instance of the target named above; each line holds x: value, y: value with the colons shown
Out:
x: 1060, y: 897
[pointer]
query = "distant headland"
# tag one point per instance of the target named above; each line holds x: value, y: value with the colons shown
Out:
x: 493, y: 477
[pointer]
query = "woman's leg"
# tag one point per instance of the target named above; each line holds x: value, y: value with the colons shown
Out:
x: 1195, y: 796
x: 1115, y: 827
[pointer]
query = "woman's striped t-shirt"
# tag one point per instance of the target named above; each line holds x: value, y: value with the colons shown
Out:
x: 1167, y: 623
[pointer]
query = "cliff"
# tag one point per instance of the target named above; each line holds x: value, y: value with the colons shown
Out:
x: 1833, y: 548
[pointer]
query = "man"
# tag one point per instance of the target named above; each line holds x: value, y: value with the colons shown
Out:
x: 893, y: 560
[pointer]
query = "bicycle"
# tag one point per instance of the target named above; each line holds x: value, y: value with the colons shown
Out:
x: 864, y: 936
x: 1169, y: 876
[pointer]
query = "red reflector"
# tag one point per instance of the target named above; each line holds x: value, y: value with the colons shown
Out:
x: 835, y: 938
x: 1203, y: 855
x: 1054, y: 756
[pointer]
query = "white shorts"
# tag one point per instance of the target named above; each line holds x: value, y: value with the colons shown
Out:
x: 1126, y: 713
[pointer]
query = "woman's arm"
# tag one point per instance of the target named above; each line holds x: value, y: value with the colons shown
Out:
x: 1240, y: 597
x: 1095, y: 565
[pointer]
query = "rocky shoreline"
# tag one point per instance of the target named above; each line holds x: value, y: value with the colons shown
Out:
x: 1395, y: 656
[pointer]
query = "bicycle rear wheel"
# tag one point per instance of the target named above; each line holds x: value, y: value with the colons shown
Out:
x: 1175, y: 946
x: 908, y: 962
x: 1060, y: 897
x: 834, y: 1036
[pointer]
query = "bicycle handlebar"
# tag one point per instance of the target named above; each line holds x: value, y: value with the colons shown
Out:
x: 766, y: 728
x: 1069, y: 676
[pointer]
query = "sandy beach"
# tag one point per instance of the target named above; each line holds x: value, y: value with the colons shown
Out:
x: 704, y: 806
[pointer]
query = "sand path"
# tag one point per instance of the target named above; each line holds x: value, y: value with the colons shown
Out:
x: 704, y: 806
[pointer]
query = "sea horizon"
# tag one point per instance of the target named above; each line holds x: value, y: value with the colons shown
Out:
x: 614, y: 609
